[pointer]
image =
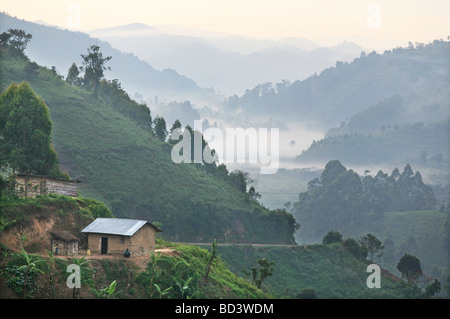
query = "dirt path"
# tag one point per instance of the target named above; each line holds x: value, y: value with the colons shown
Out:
x: 230, y: 244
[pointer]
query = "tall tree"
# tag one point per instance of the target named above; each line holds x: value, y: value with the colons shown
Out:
x: 25, y: 131
x: 73, y: 75
x: 18, y: 39
x: 175, y: 125
x: 265, y: 270
x: 373, y: 246
x: 93, y: 67
x: 239, y: 180
x: 409, y: 267
x: 160, y: 128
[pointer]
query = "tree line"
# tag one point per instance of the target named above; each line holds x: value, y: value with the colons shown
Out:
x: 340, y: 197
x: 29, y: 150
x: 94, y: 65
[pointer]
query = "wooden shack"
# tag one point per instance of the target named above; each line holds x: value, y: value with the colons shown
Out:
x: 113, y: 236
x: 64, y: 243
x: 32, y: 185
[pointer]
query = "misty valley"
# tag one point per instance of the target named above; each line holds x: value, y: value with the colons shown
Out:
x: 283, y: 170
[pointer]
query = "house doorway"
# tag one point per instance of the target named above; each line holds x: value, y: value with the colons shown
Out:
x: 104, y: 247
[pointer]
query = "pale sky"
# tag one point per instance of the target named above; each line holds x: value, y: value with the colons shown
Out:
x: 405, y: 20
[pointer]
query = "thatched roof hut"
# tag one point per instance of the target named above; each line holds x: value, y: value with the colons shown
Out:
x: 64, y: 243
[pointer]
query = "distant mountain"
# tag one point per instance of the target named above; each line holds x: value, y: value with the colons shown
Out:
x: 229, y: 64
x: 421, y: 74
x: 52, y: 46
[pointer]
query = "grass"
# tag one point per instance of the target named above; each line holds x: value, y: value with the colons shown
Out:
x: 190, y: 266
x: 329, y: 269
x: 424, y: 234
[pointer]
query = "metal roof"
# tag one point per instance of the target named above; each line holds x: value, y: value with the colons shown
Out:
x: 116, y: 226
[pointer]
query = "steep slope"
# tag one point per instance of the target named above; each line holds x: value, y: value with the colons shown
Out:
x: 121, y: 163
x: 37, y: 217
x: 331, y: 270
x: 424, y: 145
x: 337, y: 93
x: 60, y: 48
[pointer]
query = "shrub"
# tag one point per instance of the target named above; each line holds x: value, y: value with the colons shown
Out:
x: 332, y: 237
x: 355, y: 248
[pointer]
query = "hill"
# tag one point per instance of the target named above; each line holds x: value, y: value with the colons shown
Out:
x: 229, y: 64
x: 175, y: 271
x: 410, y: 232
x: 325, y: 100
x: 399, y: 209
x: 424, y: 145
x: 331, y: 270
x: 176, y: 264
x: 108, y: 144
x: 60, y: 48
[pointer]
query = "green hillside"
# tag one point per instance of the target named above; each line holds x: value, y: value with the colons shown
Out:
x: 424, y: 234
x: 331, y: 270
x: 399, y: 209
x: 35, y: 217
x: 106, y: 143
x: 419, y: 144
x: 418, y: 73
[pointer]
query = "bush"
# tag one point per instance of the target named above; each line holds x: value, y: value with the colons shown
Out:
x: 355, y: 248
x: 332, y: 237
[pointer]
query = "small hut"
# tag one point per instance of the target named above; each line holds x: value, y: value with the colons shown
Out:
x: 64, y: 243
x: 115, y: 236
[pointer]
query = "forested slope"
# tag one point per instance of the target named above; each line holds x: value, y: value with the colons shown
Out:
x: 107, y: 142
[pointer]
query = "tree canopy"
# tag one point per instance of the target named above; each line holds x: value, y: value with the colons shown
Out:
x: 409, y: 267
x: 94, y: 67
x: 25, y: 132
x: 340, y: 197
x: 160, y: 128
x: 15, y: 38
x: 373, y: 246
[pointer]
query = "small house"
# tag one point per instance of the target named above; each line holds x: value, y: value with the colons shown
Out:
x: 64, y: 243
x: 113, y: 236
x: 32, y: 185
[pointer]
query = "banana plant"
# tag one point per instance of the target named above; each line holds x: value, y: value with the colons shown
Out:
x: 162, y: 293
x: 82, y: 263
x: 151, y: 267
x: 30, y: 266
x: 108, y: 292
x: 183, y: 286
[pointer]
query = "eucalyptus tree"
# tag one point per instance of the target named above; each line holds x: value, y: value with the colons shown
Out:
x: 25, y: 132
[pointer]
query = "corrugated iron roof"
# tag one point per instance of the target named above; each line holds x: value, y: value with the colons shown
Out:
x: 116, y: 226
